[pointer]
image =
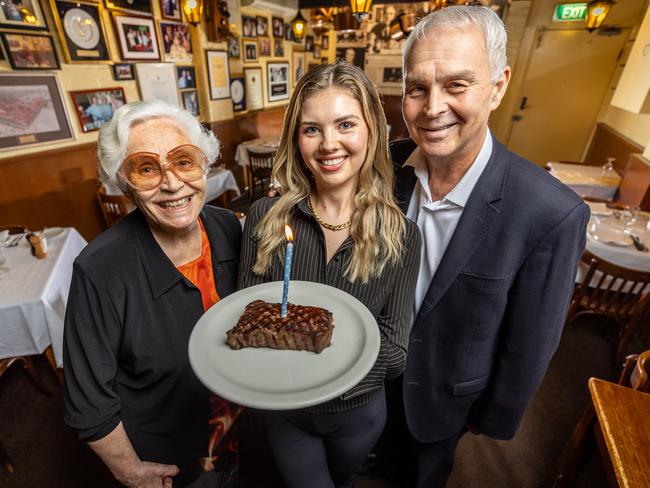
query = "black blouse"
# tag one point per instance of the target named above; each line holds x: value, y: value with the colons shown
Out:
x: 128, y: 321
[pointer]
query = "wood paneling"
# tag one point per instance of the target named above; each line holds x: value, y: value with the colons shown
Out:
x: 609, y: 143
x: 393, y: 110
x: 635, y: 185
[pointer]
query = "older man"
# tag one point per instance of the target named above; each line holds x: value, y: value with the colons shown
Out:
x: 501, y: 242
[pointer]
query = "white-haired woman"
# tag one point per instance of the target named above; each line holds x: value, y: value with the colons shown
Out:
x: 138, y: 290
x: 336, y: 179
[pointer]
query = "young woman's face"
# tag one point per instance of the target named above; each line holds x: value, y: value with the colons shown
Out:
x: 333, y: 138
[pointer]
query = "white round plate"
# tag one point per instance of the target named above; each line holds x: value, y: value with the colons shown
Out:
x: 273, y: 379
x: 614, y: 237
x: 81, y: 28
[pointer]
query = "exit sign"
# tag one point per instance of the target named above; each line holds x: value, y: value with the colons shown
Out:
x: 570, y: 12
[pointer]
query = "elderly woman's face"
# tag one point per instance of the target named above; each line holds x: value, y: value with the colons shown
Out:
x: 175, y: 205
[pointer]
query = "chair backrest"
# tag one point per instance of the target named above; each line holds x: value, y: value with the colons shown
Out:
x: 114, y: 207
x: 612, y: 290
x: 261, y: 161
x: 636, y: 372
x: 14, y: 229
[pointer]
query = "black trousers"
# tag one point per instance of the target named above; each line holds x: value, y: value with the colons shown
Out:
x: 403, y: 460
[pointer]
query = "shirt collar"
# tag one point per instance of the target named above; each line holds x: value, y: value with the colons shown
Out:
x: 460, y: 193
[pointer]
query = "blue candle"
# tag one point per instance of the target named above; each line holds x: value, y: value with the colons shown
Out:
x: 288, y: 255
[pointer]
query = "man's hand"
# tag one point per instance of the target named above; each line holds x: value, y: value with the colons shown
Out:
x: 149, y: 475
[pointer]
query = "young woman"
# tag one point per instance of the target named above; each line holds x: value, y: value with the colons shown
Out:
x: 336, y: 181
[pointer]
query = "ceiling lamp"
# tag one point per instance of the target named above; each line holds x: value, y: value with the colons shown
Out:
x: 360, y: 8
x: 321, y: 20
x: 402, y: 26
x: 193, y: 10
x: 438, y: 4
x: 298, y: 25
x: 597, y: 10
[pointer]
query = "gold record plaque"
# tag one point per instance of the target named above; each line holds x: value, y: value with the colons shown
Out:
x: 81, y: 32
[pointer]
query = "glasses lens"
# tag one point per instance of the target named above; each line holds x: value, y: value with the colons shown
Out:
x: 143, y: 170
x: 188, y: 162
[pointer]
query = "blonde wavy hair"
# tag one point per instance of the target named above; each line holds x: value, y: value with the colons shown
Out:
x: 378, y: 226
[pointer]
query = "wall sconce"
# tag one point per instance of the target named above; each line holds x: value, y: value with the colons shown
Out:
x: 438, y: 4
x: 597, y: 10
x: 298, y: 25
x: 402, y: 26
x: 193, y: 10
x: 360, y: 8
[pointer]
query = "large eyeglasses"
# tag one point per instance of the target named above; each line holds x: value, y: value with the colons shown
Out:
x: 146, y: 170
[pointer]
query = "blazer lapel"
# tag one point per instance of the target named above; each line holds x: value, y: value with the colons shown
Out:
x: 404, y: 187
x: 472, y: 228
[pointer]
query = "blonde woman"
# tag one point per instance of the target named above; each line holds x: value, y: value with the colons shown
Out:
x: 336, y: 177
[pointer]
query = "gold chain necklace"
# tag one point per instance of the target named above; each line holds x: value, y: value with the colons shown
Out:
x: 342, y: 226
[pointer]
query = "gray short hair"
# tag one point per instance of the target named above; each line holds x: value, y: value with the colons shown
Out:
x: 493, y: 29
x: 114, y: 136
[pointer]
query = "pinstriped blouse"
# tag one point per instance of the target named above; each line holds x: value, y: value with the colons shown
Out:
x: 389, y: 297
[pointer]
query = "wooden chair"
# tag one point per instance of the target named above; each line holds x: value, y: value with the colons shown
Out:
x: 261, y: 165
x: 114, y: 207
x: 618, y: 293
x: 636, y: 375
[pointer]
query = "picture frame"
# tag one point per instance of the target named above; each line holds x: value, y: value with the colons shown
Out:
x: 123, y: 71
x: 248, y: 26
x: 325, y: 42
x: 157, y: 81
x: 175, y: 41
x: 138, y: 7
x: 81, y: 31
x: 263, y: 46
x: 253, y: 88
x: 262, y: 25
x: 288, y: 33
x: 238, y: 93
x: 186, y: 77
x: 170, y: 10
x: 30, y: 51
x: 353, y: 55
x: 32, y: 111
x: 96, y: 107
x: 190, y: 99
x: 309, y: 43
x: 250, y: 51
x: 277, y: 76
x: 12, y: 17
x: 234, y: 48
x: 218, y: 74
x: 278, y: 48
x: 316, y: 52
x: 277, y: 27
x: 298, y: 64
x: 136, y: 37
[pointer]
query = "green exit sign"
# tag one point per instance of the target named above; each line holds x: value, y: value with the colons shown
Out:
x: 570, y: 12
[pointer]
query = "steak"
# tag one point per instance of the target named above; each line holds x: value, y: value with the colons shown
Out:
x: 303, y: 329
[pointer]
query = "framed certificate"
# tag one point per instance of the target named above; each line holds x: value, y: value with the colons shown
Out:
x: 253, y: 88
x: 277, y: 75
x: 218, y: 74
x: 80, y: 28
x: 157, y: 81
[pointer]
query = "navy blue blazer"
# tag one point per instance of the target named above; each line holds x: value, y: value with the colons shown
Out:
x: 494, y: 312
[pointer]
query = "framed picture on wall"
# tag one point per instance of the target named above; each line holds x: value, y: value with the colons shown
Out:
x: 238, y: 93
x: 325, y: 43
x: 136, y: 37
x: 264, y: 46
x: 288, y: 32
x: 157, y: 81
x: 96, y: 107
x: 123, y: 71
x: 277, y: 26
x: 176, y: 43
x: 16, y: 14
x: 140, y: 7
x: 170, y: 9
x: 253, y: 88
x: 186, y: 77
x: 298, y: 64
x: 250, y: 51
x: 277, y: 75
x: 191, y: 101
x: 278, y: 48
x: 218, y: 74
x: 32, y: 111
x: 262, y: 25
x: 309, y: 43
x: 248, y: 26
x: 30, y: 51
x: 81, y: 31
x: 234, y: 48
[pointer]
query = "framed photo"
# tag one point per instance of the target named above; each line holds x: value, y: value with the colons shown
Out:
x: 309, y: 43
x: 277, y: 26
x: 298, y: 63
x: 288, y: 32
x: 277, y: 75
x: 262, y: 25
x: 136, y: 37
x: 96, y: 107
x: 14, y: 14
x: 234, y: 48
x: 238, y: 93
x: 191, y: 101
x: 250, y: 51
x: 140, y: 7
x: 186, y: 77
x: 176, y: 41
x: 123, y: 71
x: 81, y: 31
x: 352, y: 55
x: 325, y: 43
x: 30, y: 51
x: 317, y: 52
x: 264, y: 46
x: 253, y: 88
x: 157, y: 81
x: 31, y: 111
x: 248, y: 26
x: 218, y: 74
x: 170, y: 9
x: 278, y: 48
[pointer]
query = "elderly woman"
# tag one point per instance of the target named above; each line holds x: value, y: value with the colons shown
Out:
x: 336, y: 179
x: 138, y: 290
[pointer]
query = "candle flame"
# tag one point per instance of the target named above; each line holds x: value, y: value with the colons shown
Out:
x: 289, y: 233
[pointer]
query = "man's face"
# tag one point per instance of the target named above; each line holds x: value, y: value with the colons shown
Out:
x: 449, y: 95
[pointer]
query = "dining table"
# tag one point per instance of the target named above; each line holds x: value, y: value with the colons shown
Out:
x: 259, y: 144
x: 34, y: 293
x: 587, y: 181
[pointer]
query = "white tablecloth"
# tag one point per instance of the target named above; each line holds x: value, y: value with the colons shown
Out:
x: 261, y: 144
x: 622, y: 255
x: 219, y: 181
x: 585, y: 180
x: 33, y: 295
